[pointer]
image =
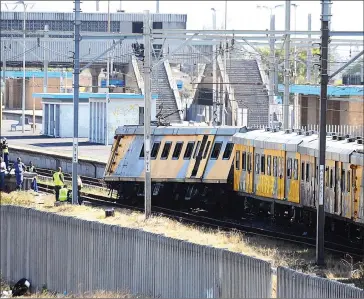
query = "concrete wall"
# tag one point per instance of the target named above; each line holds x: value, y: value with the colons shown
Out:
x: 51, y: 160
x: 66, y: 117
x: 14, y: 91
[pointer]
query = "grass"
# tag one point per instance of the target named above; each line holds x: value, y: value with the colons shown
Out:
x: 47, y: 294
x: 278, y: 252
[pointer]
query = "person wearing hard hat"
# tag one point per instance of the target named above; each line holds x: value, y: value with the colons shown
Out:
x: 58, y: 180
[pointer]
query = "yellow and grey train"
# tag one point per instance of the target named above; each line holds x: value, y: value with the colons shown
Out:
x: 270, y: 170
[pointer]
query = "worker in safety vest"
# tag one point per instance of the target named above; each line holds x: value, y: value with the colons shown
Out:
x: 58, y: 180
x: 64, y: 194
x: 5, y: 151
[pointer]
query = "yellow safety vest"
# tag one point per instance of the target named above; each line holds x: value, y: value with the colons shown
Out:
x: 6, y: 150
x: 63, y: 194
x: 57, y: 179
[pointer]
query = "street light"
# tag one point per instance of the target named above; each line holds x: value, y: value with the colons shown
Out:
x: 25, y: 6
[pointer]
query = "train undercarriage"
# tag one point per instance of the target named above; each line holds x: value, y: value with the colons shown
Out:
x: 221, y: 202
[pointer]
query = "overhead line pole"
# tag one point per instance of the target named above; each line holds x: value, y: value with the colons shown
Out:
x: 107, y: 81
x: 23, y: 94
x: 76, y: 88
x: 286, y: 67
x: 147, y: 114
x: 320, y: 232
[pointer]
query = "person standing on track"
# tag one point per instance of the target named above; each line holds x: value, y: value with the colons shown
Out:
x: 32, y: 169
x: 58, y: 180
x: 79, y: 185
x: 5, y: 150
x: 2, y: 174
x: 19, y: 168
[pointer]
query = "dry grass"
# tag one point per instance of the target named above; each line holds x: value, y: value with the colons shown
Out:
x: 279, y: 253
x: 47, y: 294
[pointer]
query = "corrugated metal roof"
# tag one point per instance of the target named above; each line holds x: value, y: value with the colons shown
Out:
x: 68, y: 16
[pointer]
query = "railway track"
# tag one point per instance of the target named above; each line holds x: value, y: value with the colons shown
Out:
x: 246, y: 227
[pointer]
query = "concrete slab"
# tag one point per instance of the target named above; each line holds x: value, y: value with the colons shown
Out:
x: 30, y: 141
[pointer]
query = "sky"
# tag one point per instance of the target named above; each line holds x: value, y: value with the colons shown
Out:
x: 244, y: 15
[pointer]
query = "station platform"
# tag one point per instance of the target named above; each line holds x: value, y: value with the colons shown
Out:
x: 50, y: 153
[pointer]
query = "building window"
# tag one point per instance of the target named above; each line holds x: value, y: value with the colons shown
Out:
x: 177, y: 150
x: 157, y: 25
x: 244, y: 160
x: 166, y: 150
x: 189, y: 149
x: 228, y: 150
x: 216, y: 150
x: 262, y: 164
x: 155, y: 150
x: 137, y: 27
x: 237, y: 160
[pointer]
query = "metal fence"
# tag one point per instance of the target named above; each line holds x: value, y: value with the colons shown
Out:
x: 338, y: 129
x: 72, y: 255
x: 292, y: 284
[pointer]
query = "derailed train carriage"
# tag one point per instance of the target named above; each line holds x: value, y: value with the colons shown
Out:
x: 247, y: 170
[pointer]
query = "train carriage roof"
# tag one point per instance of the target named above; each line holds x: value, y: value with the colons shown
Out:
x: 180, y: 130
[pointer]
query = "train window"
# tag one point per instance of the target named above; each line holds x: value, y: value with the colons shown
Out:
x: 249, y: 161
x: 228, y: 150
x: 141, y: 155
x: 197, y: 149
x: 317, y: 178
x: 275, y: 168
x: 237, y: 160
x: 302, y: 171
x: 348, y: 181
x: 166, y: 150
x: 289, y: 168
x: 244, y: 160
x: 206, y: 149
x: 269, y: 162
x: 216, y: 150
x: 280, y: 167
x: 307, y: 172
x: 262, y: 164
x: 295, y: 169
x: 331, y: 177
x: 342, y: 180
x: 155, y: 150
x: 327, y: 177
x: 177, y: 150
x: 189, y: 150
x: 257, y: 161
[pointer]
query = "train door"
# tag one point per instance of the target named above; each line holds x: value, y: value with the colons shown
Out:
x: 303, y: 193
x: 346, y: 188
x: 259, y: 155
x: 281, y: 177
x: 337, y: 203
x: 202, y: 156
x: 249, y: 169
x: 289, y: 174
x: 358, y: 193
x: 192, y: 159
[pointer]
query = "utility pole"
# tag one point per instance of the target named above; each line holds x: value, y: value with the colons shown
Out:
x: 286, y: 66
x: 225, y: 75
x: 147, y: 114
x: 3, y: 99
x: 45, y: 64
x: 309, y: 52
x: 107, y: 80
x: 271, y: 67
x: 214, y: 80
x: 23, y: 97
x: 320, y: 231
x: 76, y: 89
x: 33, y: 105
